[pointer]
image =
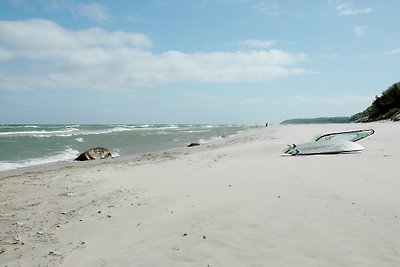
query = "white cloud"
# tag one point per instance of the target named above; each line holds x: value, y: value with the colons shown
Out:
x: 348, y: 9
x: 257, y: 43
x: 360, y: 31
x: 392, y: 52
x: 58, y: 58
x: 30, y: 38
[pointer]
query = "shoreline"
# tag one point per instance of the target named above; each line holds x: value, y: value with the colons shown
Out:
x: 83, y: 164
x: 133, y: 147
x: 234, y: 201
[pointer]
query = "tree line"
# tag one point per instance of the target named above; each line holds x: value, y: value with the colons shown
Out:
x: 384, y: 107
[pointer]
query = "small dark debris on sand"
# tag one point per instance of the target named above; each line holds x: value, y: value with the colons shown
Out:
x: 193, y: 144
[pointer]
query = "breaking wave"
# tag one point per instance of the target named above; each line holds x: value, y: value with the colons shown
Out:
x: 66, y: 155
x: 30, y: 145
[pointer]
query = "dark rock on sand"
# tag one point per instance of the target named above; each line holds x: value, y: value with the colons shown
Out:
x: 193, y: 144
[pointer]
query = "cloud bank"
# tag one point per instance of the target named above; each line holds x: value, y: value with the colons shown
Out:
x: 51, y: 57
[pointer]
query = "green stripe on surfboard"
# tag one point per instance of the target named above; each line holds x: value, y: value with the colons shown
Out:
x: 352, y: 136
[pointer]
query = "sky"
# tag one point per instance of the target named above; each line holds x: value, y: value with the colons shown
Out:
x: 194, y: 61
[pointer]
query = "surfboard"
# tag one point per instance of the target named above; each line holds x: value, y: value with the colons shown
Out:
x: 331, y: 146
x: 349, y: 135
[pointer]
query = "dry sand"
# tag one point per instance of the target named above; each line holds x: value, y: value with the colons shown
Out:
x: 235, y: 202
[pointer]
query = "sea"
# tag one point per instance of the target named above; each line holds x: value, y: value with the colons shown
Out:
x: 31, y: 145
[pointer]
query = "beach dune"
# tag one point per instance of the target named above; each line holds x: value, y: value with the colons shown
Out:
x: 233, y: 202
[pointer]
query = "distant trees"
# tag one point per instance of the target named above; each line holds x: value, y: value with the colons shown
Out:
x: 386, y: 106
x: 320, y: 120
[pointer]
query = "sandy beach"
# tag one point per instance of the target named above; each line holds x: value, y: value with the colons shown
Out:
x: 234, y: 202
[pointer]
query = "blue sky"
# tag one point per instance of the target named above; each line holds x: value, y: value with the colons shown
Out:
x: 193, y: 61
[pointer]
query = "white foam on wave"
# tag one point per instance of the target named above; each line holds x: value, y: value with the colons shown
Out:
x: 30, y: 126
x: 105, y: 131
x: 148, y: 127
x: 171, y: 126
x: 66, y: 155
x: 119, y: 129
x: 6, y: 126
x: 67, y: 132
x: 197, y: 131
x: 21, y: 133
x: 115, y: 154
x: 42, y: 133
x: 134, y: 126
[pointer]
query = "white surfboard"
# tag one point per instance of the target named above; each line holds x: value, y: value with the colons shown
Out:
x: 324, y: 147
x: 349, y: 135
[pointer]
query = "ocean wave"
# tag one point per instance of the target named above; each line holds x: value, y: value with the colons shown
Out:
x: 197, y: 131
x: 66, y: 155
x: 30, y: 126
x: 66, y: 132
x: 151, y: 127
x: 115, y: 153
x: 41, y: 133
x: 104, y: 131
x: 135, y: 126
x: 9, y: 126
x: 129, y: 138
x: 87, y: 130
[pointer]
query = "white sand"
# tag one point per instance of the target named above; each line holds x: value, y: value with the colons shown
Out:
x: 236, y: 202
